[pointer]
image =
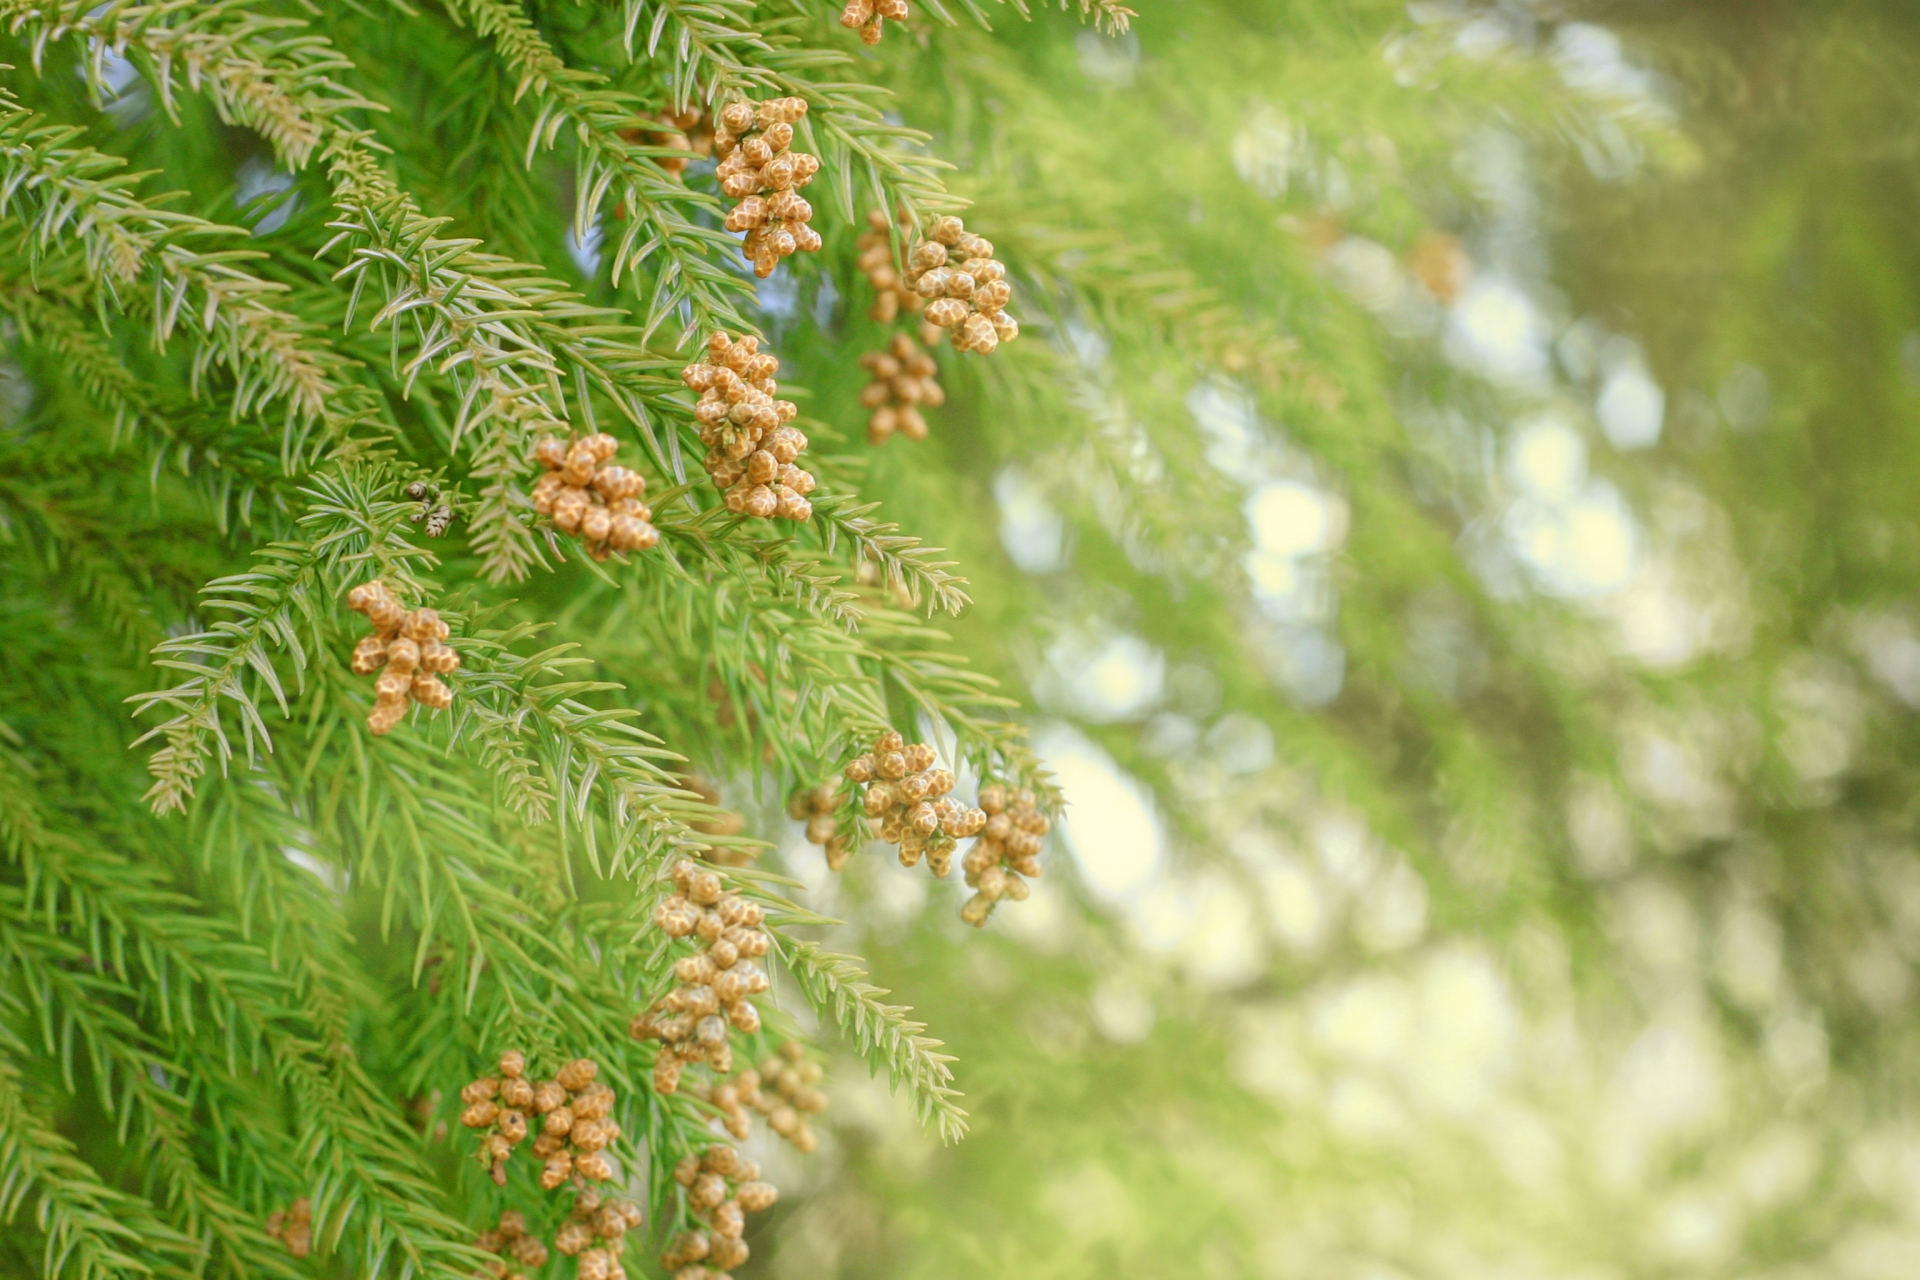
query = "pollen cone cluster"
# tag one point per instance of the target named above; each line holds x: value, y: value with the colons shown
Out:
x: 865, y: 16
x: 903, y: 380
x: 513, y: 1245
x: 907, y: 802
x: 757, y: 169
x: 965, y: 288
x: 596, y: 1232
x: 498, y: 1106
x: 293, y: 1227
x: 750, y: 446
x: 715, y: 983
x: 818, y: 809
x: 1006, y: 855
x: 723, y: 1187
x: 587, y: 496
x: 892, y: 296
x: 411, y: 649
x: 576, y: 1125
x: 785, y: 1089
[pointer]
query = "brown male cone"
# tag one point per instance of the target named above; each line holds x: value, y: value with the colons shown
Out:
x: 758, y: 169
x: 965, y: 287
x: 715, y: 984
x: 816, y: 808
x: 586, y: 495
x: 751, y: 447
x: 722, y: 1188
x: 866, y: 16
x: 892, y: 295
x: 596, y: 1233
x: 511, y: 1240
x: 907, y: 802
x: 903, y: 380
x: 409, y: 652
x: 1007, y: 854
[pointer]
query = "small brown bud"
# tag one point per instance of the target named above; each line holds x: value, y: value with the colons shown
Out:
x: 666, y: 1073
x: 595, y: 1102
x: 577, y: 1075
x: 757, y: 1196
x: 729, y: 1252
x: 708, y: 1190
x: 729, y: 1219
x: 479, y: 1090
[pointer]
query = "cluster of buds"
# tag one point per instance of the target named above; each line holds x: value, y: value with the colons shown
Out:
x: 757, y: 169
x: 965, y: 288
x: 907, y: 802
x: 434, y: 513
x: 1006, y: 855
x: 750, y: 445
x: 786, y: 1090
x: 729, y: 1098
x: 293, y: 1227
x: 499, y: 1105
x: 723, y: 1187
x: 576, y: 1120
x: 817, y: 809
x: 412, y: 649
x: 603, y: 1219
x: 510, y: 1240
x: 586, y: 496
x: 576, y: 1125
x: 715, y: 983
x: 865, y: 16
x: 892, y: 296
x: 903, y: 380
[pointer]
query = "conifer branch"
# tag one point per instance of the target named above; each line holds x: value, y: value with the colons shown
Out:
x: 717, y: 49
x: 56, y: 190
x: 358, y: 1164
x: 234, y: 467
x: 886, y: 1037
x: 1108, y: 16
x: 506, y: 329
x: 230, y: 666
x: 568, y: 754
x: 92, y: 1231
x: 676, y: 247
x: 901, y: 557
x: 140, y: 942
x: 87, y: 563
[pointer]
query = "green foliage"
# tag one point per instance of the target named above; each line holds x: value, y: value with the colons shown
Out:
x: 268, y: 984
x: 1432, y: 909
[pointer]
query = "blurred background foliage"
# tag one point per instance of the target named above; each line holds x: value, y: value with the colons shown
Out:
x: 1458, y: 535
